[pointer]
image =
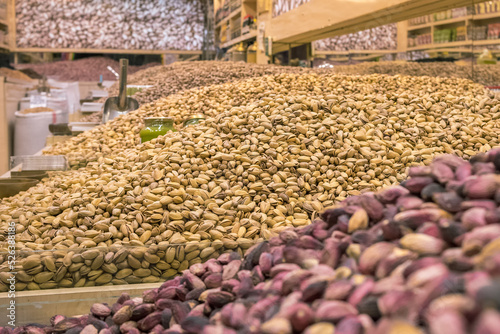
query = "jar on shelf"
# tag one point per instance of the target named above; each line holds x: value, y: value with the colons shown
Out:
x: 155, y: 127
x: 194, y: 119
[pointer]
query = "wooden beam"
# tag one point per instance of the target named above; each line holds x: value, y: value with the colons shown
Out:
x: 119, y: 51
x: 38, y: 306
x: 319, y: 19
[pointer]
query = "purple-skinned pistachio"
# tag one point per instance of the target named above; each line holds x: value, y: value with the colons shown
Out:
x: 395, y: 303
x: 430, y: 229
x: 463, y: 172
x: 257, y: 275
x: 293, y: 279
x: 141, y: 311
x: 276, y: 326
x: 277, y: 253
x: 473, y: 218
x: 452, y: 232
x: 283, y: 267
x: 485, y: 204
x: 194, y: 324
x: 430, y: 191
x: 474, y: 241
x: 213, y: 280
x: 300, y: 316
x: 415, y: 218
x: 492, y: 216
x: 194, y: 294
x: 253, y: 254
x: 448, y: 201
x: 219, y: 299
x: 213, y: 266
x: 97, y: 323
x: 349, y: 325
x: 390, y: 195
x: 229, y: 285
x: 447, y: 321
x: 405, y: 203
x: 127, y: 326
x: 166, y: 317
x: 481, y: 187
x: 419, y: 171
x: 331, y: 253
x: 150, y: 296
x: 361, y: 291
x: 123, y: 315
x: 288, y: 235
x: 66, y: 324
x: 170, y: 283
x: 198, y: 269
x: 455, y: 260
x: 314, y: 291
x: 482, y: 168
x: 442, y: 172
x: 211, y: 329
x: 258, y: 310
x: 333, y: 311
x: 238, y: 315
x: 231, y: 269
x: 266, y: 262
x: 56, y: 319
x: 370, y: 258
x: 192, y: 281
x: 488, y: 322
x: 416, y: 184
x: 427, y: 274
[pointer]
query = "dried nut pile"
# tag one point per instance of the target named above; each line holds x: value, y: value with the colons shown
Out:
x: 86, y: 69
x: 379, y: 38
x: 283, y: 6
x: 420, y: 257
x: 182, y: 76
x: 485, y: 75
x: 405, y: 102
x: 237, y: 178
x: 110, y: 24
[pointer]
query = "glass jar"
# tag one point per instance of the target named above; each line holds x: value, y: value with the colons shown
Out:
x: 156, y: 126
x: 194, y: 119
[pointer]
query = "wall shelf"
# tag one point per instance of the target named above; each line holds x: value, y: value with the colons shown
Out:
x: 242, y: 38
x: 233, y: 14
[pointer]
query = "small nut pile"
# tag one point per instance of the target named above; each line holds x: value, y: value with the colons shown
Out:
x: 420, y: 257
x: 175, y: 78
x: 379, y: 38
x: 290, y: 146
x: 110, y: 24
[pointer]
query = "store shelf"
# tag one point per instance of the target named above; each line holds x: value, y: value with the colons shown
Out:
x: 420, y: 26
x: 453, y: 20
x: 431, y: 47
x: 487, y: 42
x: 3, y: 22
x: 243, y: 38
x: 123, y: 51
x: 229, y: 17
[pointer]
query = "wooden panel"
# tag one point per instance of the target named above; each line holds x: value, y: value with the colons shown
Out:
x: 123, y: 51
x: 40, y: 305
x: 11, y: 19
x: 326, y: 18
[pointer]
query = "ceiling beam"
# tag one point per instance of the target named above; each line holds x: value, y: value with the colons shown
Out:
x: 320, y: 19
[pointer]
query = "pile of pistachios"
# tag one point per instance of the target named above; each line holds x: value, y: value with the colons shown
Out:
x: 419, y: 257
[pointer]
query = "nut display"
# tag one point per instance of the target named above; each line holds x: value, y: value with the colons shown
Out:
x: 273, y: 152
x: 419, y: 257
x: 379, y: 38
x: 485, y: 75
x: 175, y: 78
x: 110, y: 24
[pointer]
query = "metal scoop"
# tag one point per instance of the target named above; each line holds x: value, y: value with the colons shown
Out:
x: 116, y: 106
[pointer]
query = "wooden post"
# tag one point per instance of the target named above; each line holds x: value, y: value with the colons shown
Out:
x: 11, y: 21
x: 4, y: 131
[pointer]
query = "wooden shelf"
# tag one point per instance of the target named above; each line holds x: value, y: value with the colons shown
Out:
x: 420, y: 26
x: 233, y: 14
x: 4, y: 46
x: 3, y: 22
x: 453, y: 20
x: 242, y: 38
x: 342, y: 53
x: 122, y: 51
x: 431, y: 47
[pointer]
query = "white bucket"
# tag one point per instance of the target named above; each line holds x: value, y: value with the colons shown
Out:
x: 31, y: 130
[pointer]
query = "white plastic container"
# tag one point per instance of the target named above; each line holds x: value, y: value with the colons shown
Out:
x: 31, y: 130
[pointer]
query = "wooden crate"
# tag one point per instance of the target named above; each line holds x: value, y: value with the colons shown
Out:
x: 40, y: 305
